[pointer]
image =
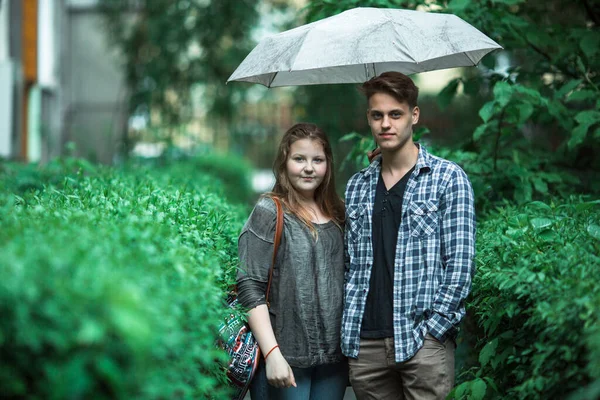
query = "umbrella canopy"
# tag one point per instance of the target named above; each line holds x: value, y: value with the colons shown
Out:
x: 356, y: 45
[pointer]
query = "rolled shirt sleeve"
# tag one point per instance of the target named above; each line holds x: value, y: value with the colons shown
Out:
x: 457, y: 256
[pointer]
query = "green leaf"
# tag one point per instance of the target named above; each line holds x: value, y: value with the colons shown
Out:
x: 487, y: 111
x: 478, y: 388
x: 541, y: 276
x: 528, y: 94
x: 548, y: 235
x: 491, y: 382
x: 566, y: 88
x: 502, y: 93
x: 588, y: 117
x: 587, y: 205
x: 350, y: 136
x: 459, y: 5
x: 445, y: 97
x: 589, y: 43
x: 480, y: 131
x: 560, y: 113
x: 524, y: 192
x: 541, y: 223
x: 581, y: 65
x: 541, y: 205
x: 461, y: 390
x: 525, y: 111
x: 540, y: 186
x: 539, y: 383
x: 578, y: 136
x: 516, y: 233
x: 594, y: 231
x: 419, y: 132
x: 582, y: 95
x: 488, y: 351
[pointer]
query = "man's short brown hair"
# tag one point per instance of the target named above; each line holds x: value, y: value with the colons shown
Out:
x: 396, y: 84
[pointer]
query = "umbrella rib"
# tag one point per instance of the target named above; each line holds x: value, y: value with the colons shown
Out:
x: 470, y: 58
x: 367, y: 75
x: 299, y: 51
x: 272, y: 79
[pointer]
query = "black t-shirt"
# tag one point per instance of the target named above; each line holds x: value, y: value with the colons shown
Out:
x: 387, y: 214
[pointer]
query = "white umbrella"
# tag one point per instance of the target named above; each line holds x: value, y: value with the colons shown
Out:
x: 361, y: 43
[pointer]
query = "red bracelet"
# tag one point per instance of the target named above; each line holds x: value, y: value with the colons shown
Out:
x: 274, y: 347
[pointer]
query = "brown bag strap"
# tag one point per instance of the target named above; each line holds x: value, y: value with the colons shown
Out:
x: 278, y: 234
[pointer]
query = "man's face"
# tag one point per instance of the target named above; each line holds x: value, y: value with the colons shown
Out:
x: 391, y: 122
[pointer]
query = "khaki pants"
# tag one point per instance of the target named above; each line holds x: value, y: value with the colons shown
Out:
x: 429, y: 374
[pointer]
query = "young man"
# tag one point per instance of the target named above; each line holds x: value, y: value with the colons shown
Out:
x: 410, y: 242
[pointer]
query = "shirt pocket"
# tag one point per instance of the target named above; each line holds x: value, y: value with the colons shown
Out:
x: 356, y: 221
x: 423, y: 217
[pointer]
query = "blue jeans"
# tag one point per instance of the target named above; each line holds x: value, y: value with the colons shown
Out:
x: 327, y: 381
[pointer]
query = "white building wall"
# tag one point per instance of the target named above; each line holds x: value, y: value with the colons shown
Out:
x: 6, y: 108
x: 47, y: 44
x: 7, y: 73
x: 4, y: 31
x: 47, y: 106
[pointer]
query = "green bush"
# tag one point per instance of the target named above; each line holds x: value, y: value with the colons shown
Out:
x: 111, y: 285
x: 525, y: 176
x: 227, y: 175
x: 23, y: 178
x: 535, y: 299
x: 233, y: 171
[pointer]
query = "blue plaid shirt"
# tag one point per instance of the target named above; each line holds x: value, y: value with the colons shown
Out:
x: 434, y: 254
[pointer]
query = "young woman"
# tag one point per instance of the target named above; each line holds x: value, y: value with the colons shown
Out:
x: 299, y: 335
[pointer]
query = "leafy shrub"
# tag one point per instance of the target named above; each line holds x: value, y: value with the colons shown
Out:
x: 229, y: 175
x: 110, y: 286
x: 523, y: 176
x: 233, y: 171
x: 535, y: 297
x: 22, y: 178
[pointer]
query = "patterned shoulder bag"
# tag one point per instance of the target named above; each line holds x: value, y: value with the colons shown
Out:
x: 235, y: 335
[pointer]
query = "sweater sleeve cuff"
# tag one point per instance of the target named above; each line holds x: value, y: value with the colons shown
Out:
x: 251, y: 293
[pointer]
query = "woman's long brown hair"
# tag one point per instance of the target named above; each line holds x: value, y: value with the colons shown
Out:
x: 329, y: 202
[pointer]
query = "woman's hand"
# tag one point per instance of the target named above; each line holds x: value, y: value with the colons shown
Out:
x: 279, y: 372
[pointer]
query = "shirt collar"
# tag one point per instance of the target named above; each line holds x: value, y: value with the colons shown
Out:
x: 424, y: 160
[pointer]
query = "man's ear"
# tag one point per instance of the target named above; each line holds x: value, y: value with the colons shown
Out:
x: 415, y: 114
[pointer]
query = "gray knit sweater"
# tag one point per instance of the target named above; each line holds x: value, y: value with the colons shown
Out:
x: 307, y: 288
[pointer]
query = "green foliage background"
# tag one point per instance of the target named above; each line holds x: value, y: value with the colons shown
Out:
x: 112, y: 282
x: 526, y: 131
x: 535, y: 301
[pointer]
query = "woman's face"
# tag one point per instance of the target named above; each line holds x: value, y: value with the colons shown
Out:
x: 306, y: 166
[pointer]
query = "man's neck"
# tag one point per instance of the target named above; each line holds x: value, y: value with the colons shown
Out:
x: 400, y: 161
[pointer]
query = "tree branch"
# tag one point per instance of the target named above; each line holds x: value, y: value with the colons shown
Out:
x: 547, y: 57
